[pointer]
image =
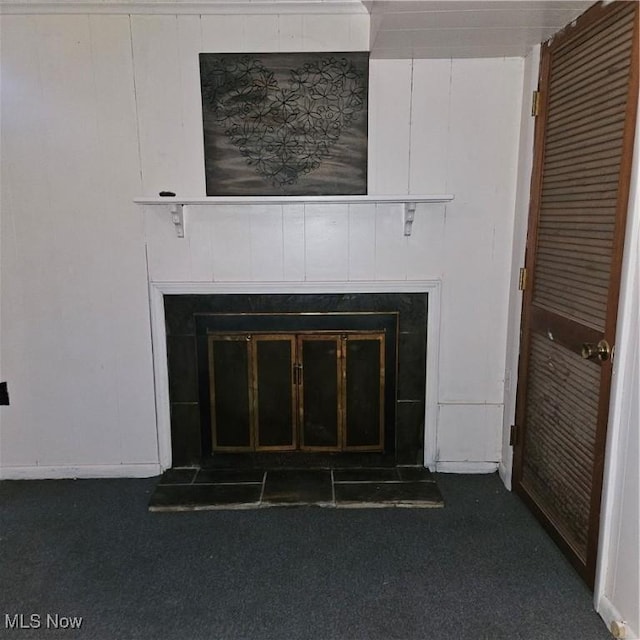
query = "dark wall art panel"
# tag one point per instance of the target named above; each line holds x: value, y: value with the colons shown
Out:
x: 285, y: 123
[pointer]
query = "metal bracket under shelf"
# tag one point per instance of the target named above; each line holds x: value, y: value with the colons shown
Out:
x: 177, y: 217
x: 409, y: 215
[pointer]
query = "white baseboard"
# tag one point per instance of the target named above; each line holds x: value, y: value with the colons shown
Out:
x: 609, y: 614
x: 142, y: 470
x: 505, y: 475
x: 466, y: 467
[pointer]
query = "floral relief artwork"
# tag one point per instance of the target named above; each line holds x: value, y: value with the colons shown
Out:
x: 285, y: 123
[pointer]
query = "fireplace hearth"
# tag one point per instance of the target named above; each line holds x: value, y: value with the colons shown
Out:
x: 301, y: 380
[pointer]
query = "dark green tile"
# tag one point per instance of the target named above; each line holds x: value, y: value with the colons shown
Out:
x: 409, y: 433
x: 179, y: 476
x: 292, y: 486
x: 413, y: 312
x: 186, y: 445
x: 226, y: 476
x: 412, y: 355
x: 365, y: 475
x: 182, y: 368
x: 201, y: 496
x: 178, y: 314
x: 416, y: 494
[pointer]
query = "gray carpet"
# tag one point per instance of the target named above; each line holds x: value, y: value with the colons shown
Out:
x: 479, y: 569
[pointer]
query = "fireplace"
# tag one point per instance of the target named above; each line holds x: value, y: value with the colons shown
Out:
x: 299, y: 379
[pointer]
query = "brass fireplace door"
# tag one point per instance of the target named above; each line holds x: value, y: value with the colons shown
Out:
x: 297, y: 391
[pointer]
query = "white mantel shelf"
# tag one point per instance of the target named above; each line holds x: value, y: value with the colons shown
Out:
x: 400, y: 199
x: 409, y: 201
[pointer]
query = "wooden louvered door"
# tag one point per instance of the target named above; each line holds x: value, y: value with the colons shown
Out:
x: 580, y: 186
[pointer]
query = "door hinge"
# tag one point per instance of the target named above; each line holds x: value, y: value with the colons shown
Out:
x: 535, y: 104
x: 513, y: 435
x: 522, y: 279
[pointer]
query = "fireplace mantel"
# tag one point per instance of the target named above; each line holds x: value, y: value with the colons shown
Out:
x: 410, y: 201
x: 158, y: 291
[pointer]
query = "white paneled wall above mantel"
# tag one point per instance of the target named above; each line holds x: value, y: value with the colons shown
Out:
x: 105, y: 108
x: 289, y: 242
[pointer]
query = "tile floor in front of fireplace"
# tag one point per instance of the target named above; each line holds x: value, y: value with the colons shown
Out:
x: 193, y: 488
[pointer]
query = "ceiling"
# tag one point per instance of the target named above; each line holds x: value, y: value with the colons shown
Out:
x: 470, y: 29
x: 398, y: 28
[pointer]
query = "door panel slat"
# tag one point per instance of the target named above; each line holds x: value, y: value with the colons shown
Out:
x: 585, y: 304
x: 595, y: 102
x: 549, y: 458
x: 579, y: 216
x: 597, y: 61
x: 570, y: 187
x: 585, y: 177
x: 588, y: 138
x: 607, y: 32
x: 572, y: 279
x: 573, y: 409
x: 579, y: 206
x: 574, y: 274
x: 583, y: 258
x: 571, y: 197
x: 577, y: 53
x: 558, y: 237
x: 602, y: 155
x: 599, y: 87
x: 581, y: 159
x: 574, y: 234
x: 589, y: 118
x: 561, y: 438
x: 572, y: 306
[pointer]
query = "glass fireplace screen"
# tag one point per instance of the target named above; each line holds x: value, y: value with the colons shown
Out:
x: 308, y: 391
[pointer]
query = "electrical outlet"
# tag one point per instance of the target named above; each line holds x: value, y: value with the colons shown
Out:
x: 4, y: 393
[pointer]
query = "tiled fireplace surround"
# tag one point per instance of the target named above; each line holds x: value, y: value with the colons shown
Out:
x: 181, y: 326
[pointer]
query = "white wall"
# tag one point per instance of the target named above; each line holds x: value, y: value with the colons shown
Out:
x: 76, y: 350
x: 525, y: 165
x: 97, y: 110
x: 617, y: 592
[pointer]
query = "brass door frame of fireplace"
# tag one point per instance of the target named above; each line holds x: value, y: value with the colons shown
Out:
x: 249, y: 370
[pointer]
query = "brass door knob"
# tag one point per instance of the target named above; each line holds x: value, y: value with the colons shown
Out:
x: 600, y: 351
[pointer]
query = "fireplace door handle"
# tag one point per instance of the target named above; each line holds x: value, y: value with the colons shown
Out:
x: 297, y: 373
